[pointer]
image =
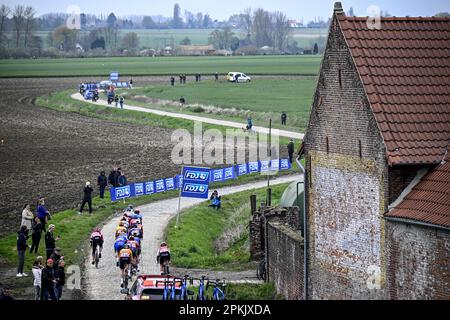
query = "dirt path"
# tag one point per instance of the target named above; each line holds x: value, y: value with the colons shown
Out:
x: 104, y: 283
x: 282, y: 133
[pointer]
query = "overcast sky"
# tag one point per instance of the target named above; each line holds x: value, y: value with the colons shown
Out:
x: 222, y: 9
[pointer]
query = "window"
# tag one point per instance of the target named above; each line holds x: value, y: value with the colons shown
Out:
x: 327, y: 145
x: 340, y: 78
x: 360, y: 149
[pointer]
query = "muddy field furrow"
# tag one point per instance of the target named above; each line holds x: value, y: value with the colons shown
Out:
x: 50, y: 153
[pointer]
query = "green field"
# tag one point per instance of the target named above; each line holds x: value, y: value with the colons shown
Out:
x: 127, y: 66
x: 261, y: 99
x: 158, y: 39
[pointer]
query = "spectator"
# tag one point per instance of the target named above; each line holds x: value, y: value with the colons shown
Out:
x: 56, y: 257
x: 22, y: 246
x: 216, y: 200
x: 181, y: 79
x: 283, y: 118
x: 216, y: 76
x: 116, y: 101
x: 87, y: 198
x: 172, y: 81
x: 184, y: 79
x: 6, y: 294
x: 196, y: 77
x: 60, y: 278
x: 36, y: 235
x: 249, y: 124
x: 291, y: 147
x: 122, y: 180
x: 111, y: 176
x: 131, y: 83
x: 117, y: 174
x: 121, y: 100
x: 37, y: 274
x: 102, y: 182
x: 48, y: 282
x: 50, y: 241
x: 42, y: 213
x: 182, y: 100
x: 27, y: 216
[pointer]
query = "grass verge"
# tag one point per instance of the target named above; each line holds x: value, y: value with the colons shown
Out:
x: 194, y: 243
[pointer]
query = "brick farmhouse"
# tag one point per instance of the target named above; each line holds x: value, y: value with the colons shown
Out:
x: 377, y: 169
x: 378, y: 162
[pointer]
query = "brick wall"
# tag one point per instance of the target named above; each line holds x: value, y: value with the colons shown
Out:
x: 288, y: 216
x: 419, y: 262
x: 347, y: 189
x: 399, y: 179
x: 285, y: 260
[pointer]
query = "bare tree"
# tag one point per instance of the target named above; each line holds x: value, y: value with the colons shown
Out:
x: 29, y: 14
x: 262, y: 28
x: 280, y: 30
x: 4, y: 13
x: 130, y: 41
x: 221, y: 39
x: 19, y: 20
x: 246, y: 21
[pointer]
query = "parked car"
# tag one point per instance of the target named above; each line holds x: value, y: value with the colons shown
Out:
x: 238, y: 77
x: 150, y: 287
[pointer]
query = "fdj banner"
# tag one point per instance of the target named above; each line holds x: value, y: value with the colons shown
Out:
x: 120, y: 193
x: 114, y: 76
x: 195, y: 182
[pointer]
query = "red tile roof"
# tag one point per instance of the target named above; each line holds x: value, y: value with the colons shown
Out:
x: 429, y: 200
x: 405, y: 69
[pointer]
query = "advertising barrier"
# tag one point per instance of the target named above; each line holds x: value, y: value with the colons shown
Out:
x: 194, y: 182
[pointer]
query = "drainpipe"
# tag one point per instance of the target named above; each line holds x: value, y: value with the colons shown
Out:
x: 305, y: 234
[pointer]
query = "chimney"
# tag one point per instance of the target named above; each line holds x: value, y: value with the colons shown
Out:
x: 338, y: 7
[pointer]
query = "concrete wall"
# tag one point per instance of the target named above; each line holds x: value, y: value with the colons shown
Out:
x: 419, y: 262
x: 285, y: 260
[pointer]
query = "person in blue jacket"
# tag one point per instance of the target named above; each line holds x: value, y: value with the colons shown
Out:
x: 216, y: 200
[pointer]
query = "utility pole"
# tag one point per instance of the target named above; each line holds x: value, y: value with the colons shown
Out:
x: 269, y: 145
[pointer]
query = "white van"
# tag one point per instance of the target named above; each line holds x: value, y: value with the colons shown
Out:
x: 238, y: 77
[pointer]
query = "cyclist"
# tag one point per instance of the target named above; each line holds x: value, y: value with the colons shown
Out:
x: 137, y: 215
x: 123, y: 222
x: 119, y: 244
x: 96, y: 240
x: 134, y: 246
x: 120, y: 229
x: 163, y: 257
x: 125, y: 257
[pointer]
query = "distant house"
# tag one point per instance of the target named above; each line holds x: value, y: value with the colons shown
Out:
x: 195, y: 50
x: 377, y: 161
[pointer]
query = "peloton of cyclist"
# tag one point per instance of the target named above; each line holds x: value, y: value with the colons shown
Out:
x: 96, y: 240
x: 163, y: 257
x: 125, y: 257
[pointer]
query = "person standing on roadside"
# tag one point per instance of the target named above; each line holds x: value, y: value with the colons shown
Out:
x: 27, y: 216
x: 22, y: 246
x: 48, y: 282
x: 117, y: 174
x: 111, y: 176
x: 283, y: 118
x: 87, y: 198
x: 121, y: 101
x: 116, y: 100
x: 42, y: 213
x: 122, y: 180
x: 102, y: 182
x: 291, y: 147
x: 50, y: 241
x: 37, y: 274
x: 60, y: 277
x: 36, y: 235
x: 131, y: 83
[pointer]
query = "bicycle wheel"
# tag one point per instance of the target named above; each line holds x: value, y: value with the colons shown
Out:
x: 96, y: 258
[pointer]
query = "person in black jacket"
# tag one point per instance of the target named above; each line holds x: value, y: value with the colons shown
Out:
x: 102, y: 182
x: 87, y: 198
x: 122, y: 180
x: 56, y: 257
x: 283, y: 118
x: 48, y: 282
x: 60, y: 276
x: 50, y: 241
x: 117, y: 174
x: 291, y: 149
x: 22, y: 246
x: 36, y: 235
x: 111, y: 176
